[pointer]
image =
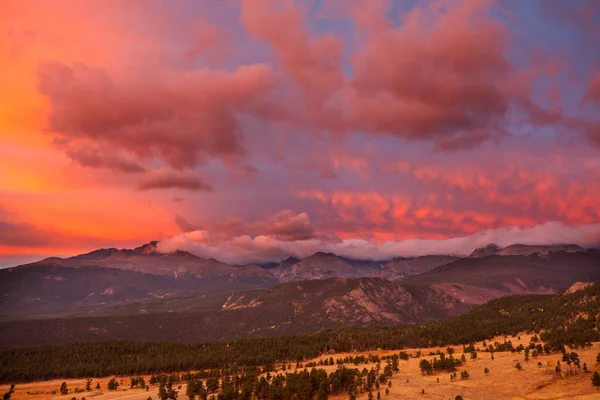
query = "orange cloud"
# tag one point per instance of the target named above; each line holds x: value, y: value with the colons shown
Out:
x: 375, y: 122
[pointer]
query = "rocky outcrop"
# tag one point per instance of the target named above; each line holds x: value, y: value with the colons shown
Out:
x: 577, y: 286
x: 400, y: 268
x: 488, y: 250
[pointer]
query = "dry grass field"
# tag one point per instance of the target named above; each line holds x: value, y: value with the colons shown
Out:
x: 504, y: 381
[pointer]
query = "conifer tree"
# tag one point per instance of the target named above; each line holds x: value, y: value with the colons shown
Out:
x: 596, y: 379
x: 8, y: 394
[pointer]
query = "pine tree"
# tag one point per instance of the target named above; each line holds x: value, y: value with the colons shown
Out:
x: 162, y: 391
x: 113, y: 384
x: 64, y: 389
x: 88, y: 385
x: 519, y: 367
x: 486, y: 370
x: 8, y: 394
x: 425, y: 367
x: 596, y: 380
x: 171, y: 393
x: 212, y: 384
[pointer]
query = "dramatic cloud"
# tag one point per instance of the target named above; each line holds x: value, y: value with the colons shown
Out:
x: 184, y: 118
x: 398, y: 127
x: 285, y: 226
x: 314, y: 64
x: 94, y: 157
x: 441, y: 74
x: 288, y: 226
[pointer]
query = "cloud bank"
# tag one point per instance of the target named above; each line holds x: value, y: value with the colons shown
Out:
x: 245, y: 249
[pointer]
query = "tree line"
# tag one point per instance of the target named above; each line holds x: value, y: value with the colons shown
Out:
x: 559, y: 320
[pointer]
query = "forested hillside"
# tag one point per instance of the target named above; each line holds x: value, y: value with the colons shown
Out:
x: 560, y: 319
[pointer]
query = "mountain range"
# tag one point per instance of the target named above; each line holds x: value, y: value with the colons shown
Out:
x: 127, y: 293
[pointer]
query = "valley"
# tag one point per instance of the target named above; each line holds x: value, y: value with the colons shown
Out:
x: 509, y: 347
x: 502, y: 381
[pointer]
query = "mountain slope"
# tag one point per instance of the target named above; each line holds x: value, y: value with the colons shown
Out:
x: 36, y: 291
x: 400, y: 268
x: 289, y: 308
x: 478, y: 280
x: 523, y: 249
x: 317, y: 266
x: 147, y: 259
x: 307, y: 306
x: 145, y: 279
x: 47, y: 291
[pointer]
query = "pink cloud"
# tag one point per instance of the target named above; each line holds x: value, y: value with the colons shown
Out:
x: 442, y: 74
x: 168, y: 179
x: 382, y: 121
x: 183, y: 119
x: 285, y: 226
x: 314, y: 64
x: 94, y: 156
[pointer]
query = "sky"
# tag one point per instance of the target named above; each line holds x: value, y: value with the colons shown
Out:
x: 253, y: 130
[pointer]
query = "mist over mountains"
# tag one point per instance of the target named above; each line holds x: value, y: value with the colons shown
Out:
x: 266, y: 247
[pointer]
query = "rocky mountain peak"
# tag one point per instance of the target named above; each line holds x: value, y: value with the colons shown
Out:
x: 488, y: 250
x: 148, y: 248
x: 321, y: 254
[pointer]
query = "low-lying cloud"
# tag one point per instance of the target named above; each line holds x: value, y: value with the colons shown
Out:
x: 244, y: 249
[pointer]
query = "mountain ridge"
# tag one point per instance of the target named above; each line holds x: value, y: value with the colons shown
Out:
x: 522, y: 249
x: 162, y: 281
